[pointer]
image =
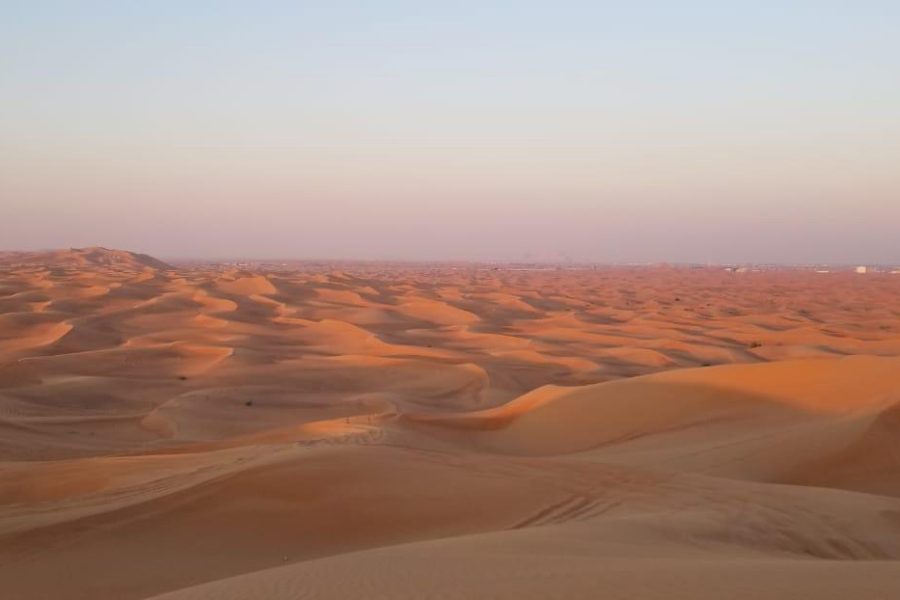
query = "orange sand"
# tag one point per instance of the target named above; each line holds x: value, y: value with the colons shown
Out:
x: 390, y: 432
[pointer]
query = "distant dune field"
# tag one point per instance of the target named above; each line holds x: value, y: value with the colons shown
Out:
x: 440, y: 432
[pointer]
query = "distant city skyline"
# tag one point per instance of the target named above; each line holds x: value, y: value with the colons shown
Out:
x: 605, y: 132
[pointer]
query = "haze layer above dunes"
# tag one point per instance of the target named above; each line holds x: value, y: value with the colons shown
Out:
x: 446, y: 432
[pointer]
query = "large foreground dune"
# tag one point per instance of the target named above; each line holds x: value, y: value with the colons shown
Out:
x: 417, y: 432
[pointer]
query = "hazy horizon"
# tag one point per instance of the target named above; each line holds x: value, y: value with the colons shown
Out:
x: 595, y: 132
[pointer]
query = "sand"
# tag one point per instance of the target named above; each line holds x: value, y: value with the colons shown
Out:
x: 385, y: 431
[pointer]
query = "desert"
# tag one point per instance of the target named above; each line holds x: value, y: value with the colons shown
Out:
x: 375, y: 430
x: 392, y: 300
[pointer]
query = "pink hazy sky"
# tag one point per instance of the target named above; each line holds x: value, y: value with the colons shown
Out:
x: 752, y: 132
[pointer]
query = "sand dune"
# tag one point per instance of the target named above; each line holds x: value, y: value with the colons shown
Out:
x: 433, y: 432
x: 81, y: 258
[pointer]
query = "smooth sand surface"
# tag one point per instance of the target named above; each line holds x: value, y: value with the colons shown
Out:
x: 445, y: 432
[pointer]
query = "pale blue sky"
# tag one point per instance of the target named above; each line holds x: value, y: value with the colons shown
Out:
x: 609, y: 131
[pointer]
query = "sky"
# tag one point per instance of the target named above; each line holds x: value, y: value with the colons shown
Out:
x: 714, y: 131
